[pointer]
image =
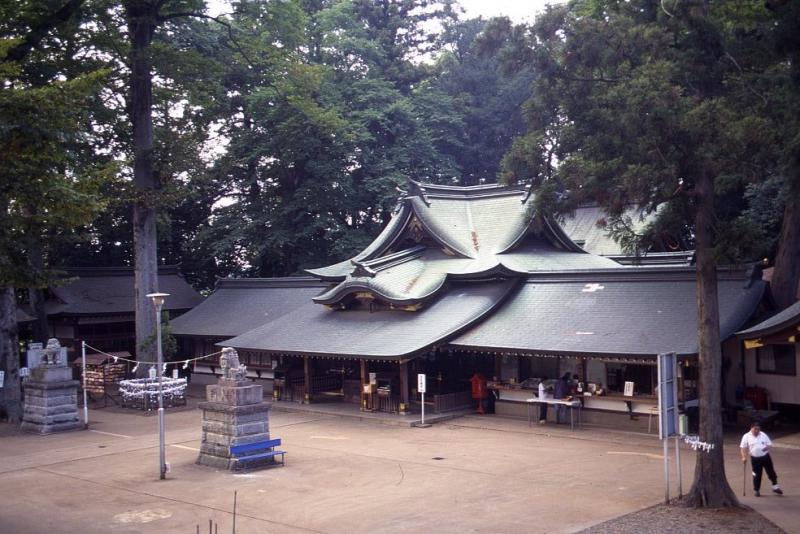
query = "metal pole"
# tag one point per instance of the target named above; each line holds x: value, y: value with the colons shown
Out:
x: 666, y: 470
x: 678, y: 466
x: 234, y: 511
x: 85, y: 395
x: 423, y: 407
x: 161, y: 453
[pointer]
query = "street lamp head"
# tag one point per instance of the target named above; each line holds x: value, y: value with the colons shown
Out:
x: 158, y: 298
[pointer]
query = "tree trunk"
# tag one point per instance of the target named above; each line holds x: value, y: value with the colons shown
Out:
x: 41, y: 330
x: 141, y: 16
x: 10, y: 393
x: 710, y: 487
x: 785, y: 285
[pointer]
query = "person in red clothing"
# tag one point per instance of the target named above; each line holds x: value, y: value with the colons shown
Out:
x: 757, y: 444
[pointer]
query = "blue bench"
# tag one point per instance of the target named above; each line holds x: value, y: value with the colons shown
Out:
x: 261, y: 450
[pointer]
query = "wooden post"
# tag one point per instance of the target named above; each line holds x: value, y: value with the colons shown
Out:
x: 307, y: 379
x: 403, y: 387
x: 363, y: 383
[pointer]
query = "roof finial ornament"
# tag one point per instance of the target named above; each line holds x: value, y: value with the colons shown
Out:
x: 361, y: 270
x: 418, y: 190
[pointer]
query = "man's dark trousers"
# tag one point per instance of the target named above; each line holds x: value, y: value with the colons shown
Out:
x: 759, y: 463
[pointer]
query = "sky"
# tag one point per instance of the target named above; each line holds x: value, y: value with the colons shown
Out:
x: 516, y: 10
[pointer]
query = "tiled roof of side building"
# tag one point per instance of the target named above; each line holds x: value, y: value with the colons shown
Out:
x: 780, y: 321
x: 636, y: 312
x: 379, y: 335
x: 239, y: 305
x: 110, y: 290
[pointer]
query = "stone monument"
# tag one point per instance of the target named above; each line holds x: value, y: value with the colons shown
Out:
x: 51, y: 395
x: 234, y: 414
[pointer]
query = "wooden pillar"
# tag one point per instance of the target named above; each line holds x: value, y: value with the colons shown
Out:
x: 404, y: 387
x: 307, y: 379
x: 363, y: 383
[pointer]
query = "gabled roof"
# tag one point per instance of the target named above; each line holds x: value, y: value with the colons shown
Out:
x: 110, y: 290
x: 23, y: 317
x: 788, y: 318
x: 239, y: 305
x: 315, y: 330
x: 445, y: 232
x: 630, y: 312
x: 584, y: 226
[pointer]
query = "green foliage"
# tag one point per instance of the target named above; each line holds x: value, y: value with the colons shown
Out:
x: 47, y: 188
x: 633, y: 103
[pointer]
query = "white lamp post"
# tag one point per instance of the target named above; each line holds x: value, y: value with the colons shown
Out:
x: 158, y: 302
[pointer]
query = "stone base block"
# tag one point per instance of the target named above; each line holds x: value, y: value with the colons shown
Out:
x: 235, y: 395
x: 226, y: 425
x: 52, y: 427
x: 51, y: 373
x: 51, y: 401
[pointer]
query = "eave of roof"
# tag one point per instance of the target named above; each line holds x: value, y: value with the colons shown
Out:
x: 238, y: 305
x: 110, y: 290
x: 629, y: 312
x: 786, y: 319
x: 314, y: 330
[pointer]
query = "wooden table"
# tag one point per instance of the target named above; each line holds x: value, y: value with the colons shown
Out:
x: 574, y: 403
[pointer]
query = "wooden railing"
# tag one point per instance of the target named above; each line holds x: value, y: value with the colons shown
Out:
x: 452, y: 401
x: 320, y: 383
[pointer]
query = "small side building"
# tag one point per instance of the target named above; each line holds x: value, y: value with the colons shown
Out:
x: 771, y: 359
x: 96, y: 305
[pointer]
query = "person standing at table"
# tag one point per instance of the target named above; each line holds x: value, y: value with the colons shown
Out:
x: 542, y: 406
x: 562, y: 390
x: 758, y: 445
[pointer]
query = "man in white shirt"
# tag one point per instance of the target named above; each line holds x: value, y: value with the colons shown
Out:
x: 758, y: 445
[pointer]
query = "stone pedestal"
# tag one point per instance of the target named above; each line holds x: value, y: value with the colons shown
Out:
x: 234, y: 414
x: 51, y: 400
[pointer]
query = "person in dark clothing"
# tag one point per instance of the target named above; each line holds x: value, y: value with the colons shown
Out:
x: 561, y: 392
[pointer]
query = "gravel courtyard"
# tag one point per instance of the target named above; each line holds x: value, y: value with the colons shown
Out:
x: 472, y: 474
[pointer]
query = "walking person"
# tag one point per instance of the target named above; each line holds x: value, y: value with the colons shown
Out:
x: 758, y: 445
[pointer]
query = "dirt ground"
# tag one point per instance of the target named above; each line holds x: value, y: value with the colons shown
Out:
x: 679, y: 519
x: 471, y: 474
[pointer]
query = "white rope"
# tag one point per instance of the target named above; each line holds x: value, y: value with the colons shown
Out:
x: 184, y: 362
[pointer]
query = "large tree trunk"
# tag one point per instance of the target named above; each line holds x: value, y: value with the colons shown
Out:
x: 141, y: 16
x: 41, y: 330
x: 785, y: 285
x: 710, y: 487
x: 10, y: 393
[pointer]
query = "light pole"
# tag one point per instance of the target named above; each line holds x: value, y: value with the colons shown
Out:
x: 158, y: 302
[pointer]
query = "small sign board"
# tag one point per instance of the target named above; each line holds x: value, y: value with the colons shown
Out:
x: 421, y: 383
x: 628, y: 392
x: 2, y: 378
x: 373, y: 378
x: 35, y: 346
x: 23, y: 372
x: 667, y: 395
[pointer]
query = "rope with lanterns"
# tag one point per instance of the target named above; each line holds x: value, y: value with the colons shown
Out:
x: 144, y: 391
